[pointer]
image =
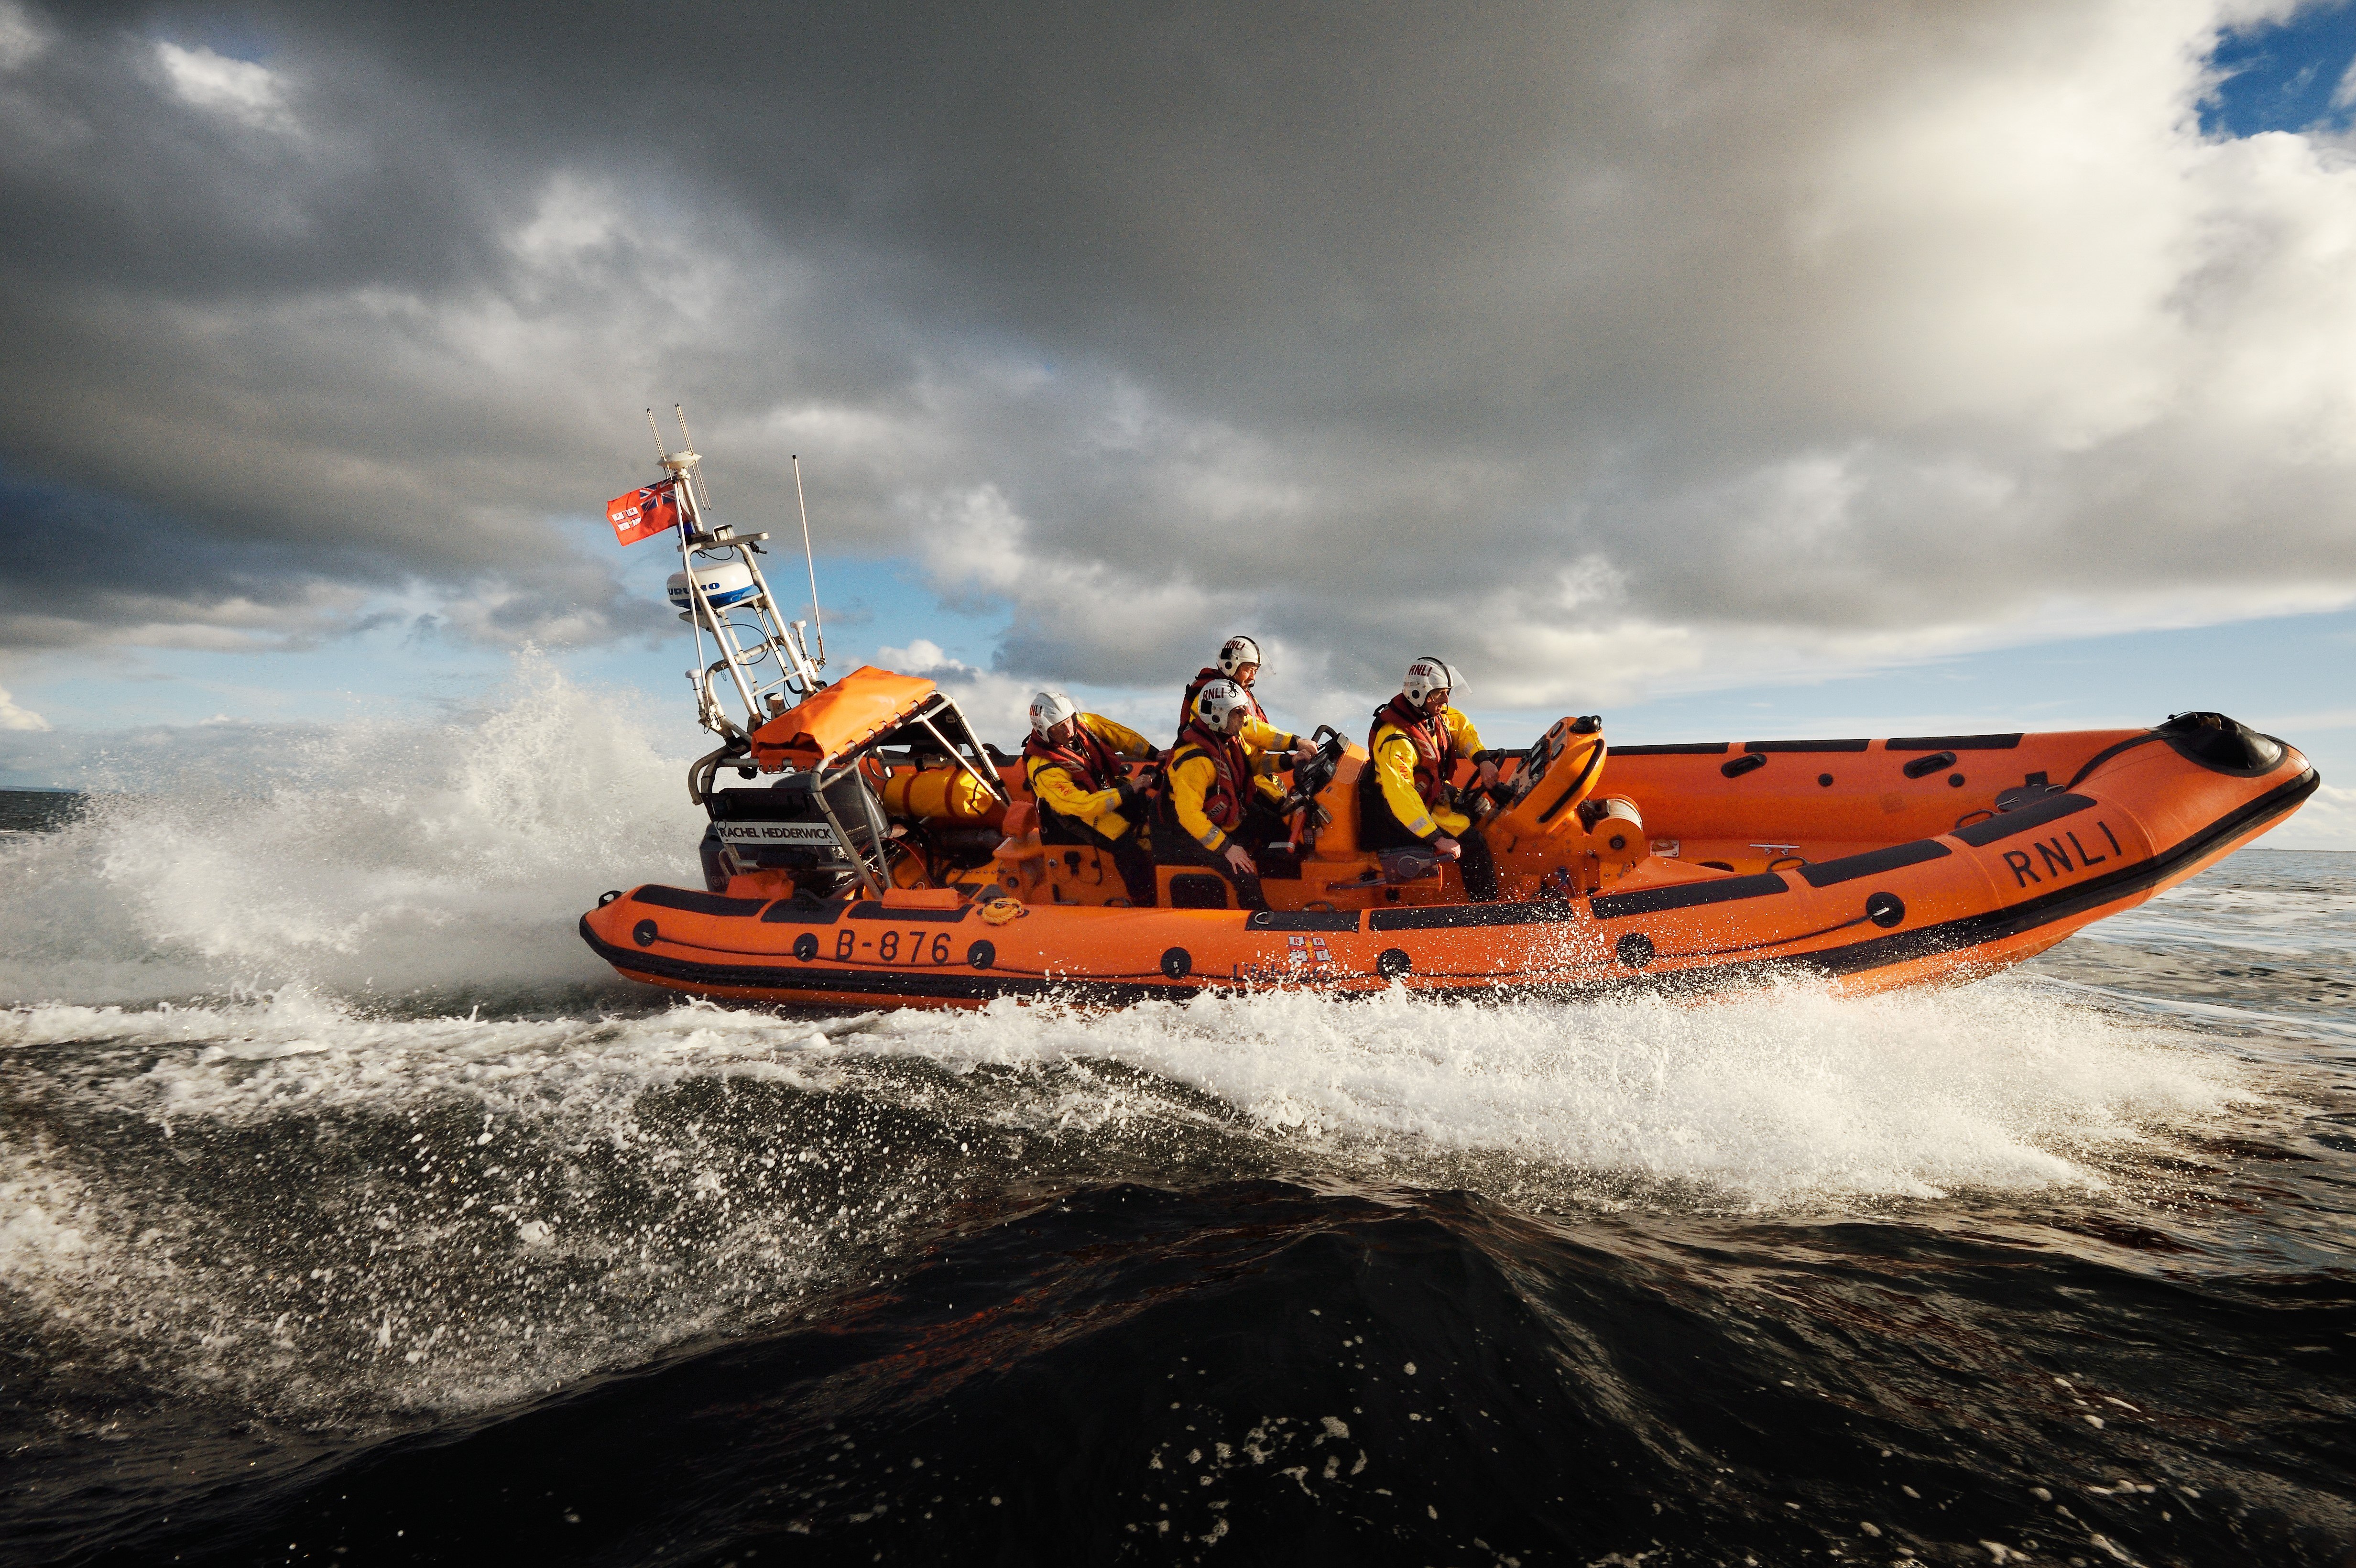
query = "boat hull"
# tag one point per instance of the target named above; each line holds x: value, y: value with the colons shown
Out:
x: 1997, y: 887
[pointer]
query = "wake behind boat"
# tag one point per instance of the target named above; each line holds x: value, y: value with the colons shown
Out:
x: 873, y: 849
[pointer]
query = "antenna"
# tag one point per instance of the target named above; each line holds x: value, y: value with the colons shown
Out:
x: 703, y: 490
x: 660, y: 451
x: 808, y: 560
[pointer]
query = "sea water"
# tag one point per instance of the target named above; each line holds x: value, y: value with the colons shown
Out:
x: 348, y: 1212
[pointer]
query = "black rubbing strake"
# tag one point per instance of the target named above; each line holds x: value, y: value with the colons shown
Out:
x: 798, y: 911
x: 1452, y: 917
x: 1302, y: 920
x: 1954, y: 742
x: 1873, y: 862
x: 697, y: 902
x: 871, y: 909
x: 2052, y: 808
x: 1688, y: 895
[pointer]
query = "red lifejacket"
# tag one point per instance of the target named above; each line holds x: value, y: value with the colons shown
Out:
x: 1378, y: 827
x: 1093, y: 765
x: 1431, y: 743
x: 1231, y: 776
x: 1203, y: 678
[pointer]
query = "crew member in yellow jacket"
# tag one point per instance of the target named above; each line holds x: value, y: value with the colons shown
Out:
x: 1414, y: 744
x: 1218, y: 800
x: 1073, y: 764
x: 1240, y: 662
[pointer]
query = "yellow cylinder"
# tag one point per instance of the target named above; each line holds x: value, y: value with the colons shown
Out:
x: 940, y: 795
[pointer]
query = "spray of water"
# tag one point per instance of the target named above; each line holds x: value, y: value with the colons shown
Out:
x: 380, y: 856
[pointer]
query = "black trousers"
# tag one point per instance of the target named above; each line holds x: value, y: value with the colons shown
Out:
x: 1378, y: 829
x: 1129, y: 857
x: 1261, y: 827
x: 1478, y: 867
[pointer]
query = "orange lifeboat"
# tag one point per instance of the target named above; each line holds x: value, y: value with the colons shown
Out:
x: 896, y: 862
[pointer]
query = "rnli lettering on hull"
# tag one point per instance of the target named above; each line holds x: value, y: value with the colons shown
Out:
x: 817, y: 833
x: 2054, y: 854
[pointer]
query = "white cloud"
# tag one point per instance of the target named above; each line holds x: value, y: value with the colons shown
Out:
x: 245, y: 91
x: 998, y: 706
x: 2328, y: 821
x: 15, y: 717
x: 1623, y: 350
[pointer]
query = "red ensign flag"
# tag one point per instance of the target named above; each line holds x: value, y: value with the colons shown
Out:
x: 643, y: 513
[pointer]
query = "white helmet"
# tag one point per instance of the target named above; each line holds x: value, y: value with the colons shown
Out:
x: 1049, y: 708
x: 1218, y: 702
x: 1236, y: 653
x: 1426, y: 676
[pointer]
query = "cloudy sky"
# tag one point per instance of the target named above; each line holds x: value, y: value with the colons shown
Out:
x: 1733, y: 368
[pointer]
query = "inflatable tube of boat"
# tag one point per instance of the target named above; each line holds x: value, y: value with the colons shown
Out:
x: 1868, y: 863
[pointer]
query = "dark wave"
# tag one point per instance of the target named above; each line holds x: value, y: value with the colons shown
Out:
x: 1288, y: 1376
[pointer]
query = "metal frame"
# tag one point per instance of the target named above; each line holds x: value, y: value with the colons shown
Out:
x: 796, y: 677
x: 743, y: 647
x: 873, y: 878
x: 874, y: 873
x: 979, y: 765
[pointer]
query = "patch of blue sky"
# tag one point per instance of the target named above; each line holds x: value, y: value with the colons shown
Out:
x: 2291, y: 75
x: 404, y: 660
x: 881, y: 598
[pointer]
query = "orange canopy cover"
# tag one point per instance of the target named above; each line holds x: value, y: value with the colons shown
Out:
x: 848, y: 714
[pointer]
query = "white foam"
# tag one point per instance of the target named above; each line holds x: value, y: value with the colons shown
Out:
x: 300, y: 1053
x: 375, y: 855
x: 620, y: 1222
x: 1774, y: 1097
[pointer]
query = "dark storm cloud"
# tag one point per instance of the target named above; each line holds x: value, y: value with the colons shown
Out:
x: 1591, y: 344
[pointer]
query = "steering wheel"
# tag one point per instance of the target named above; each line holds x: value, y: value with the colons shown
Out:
x: 1310, y: 777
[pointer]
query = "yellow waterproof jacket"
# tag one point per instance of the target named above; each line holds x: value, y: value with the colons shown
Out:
x: 1052, y: 785
x: 1267, y: 744
x: 1192, y: 778
x: 1394, y: 762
